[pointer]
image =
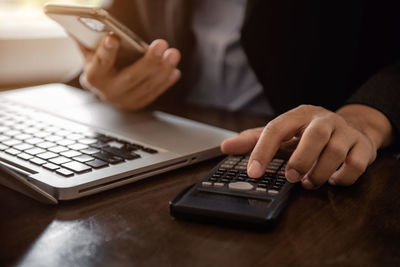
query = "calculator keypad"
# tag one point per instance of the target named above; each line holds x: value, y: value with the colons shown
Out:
x: 230, y: 177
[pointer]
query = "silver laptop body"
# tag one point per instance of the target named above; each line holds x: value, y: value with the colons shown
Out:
x: 57, y: 112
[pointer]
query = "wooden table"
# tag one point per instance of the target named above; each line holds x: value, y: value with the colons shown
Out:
x: 131, y: 225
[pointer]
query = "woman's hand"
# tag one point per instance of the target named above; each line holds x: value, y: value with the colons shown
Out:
x: 334, y: 147
x: 137, y: 85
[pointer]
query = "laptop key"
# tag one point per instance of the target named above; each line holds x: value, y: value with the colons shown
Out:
x: 97, y: 164
x: 58, y: 149
x: 78, y: 146
x: 47, y: 155
x: 24, y: 156
x: 3, y: 138
x: 34, y: 151
x: 46, y: 145
x: 59, y: 160
x: 23, y: 136
x: 37, y: 161
x: 23, y: 146
x: 87, y: 141
x: 99, y: 145
x: 90, y: 151
x: 34, y: 141
x: 65, y: 142
x: 110, y: 158
x: 122, y: 153
x: 50, y: 166
x: 64, y: 172
x: 3, y: 147
x: 103, y: 138
x: 12, y: 142
x: 83, y: 158
x: 71, y: 153
x: 76, y: 167
x: 12, y: 151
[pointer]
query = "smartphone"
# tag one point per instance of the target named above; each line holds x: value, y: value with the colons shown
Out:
x: 88, y: 25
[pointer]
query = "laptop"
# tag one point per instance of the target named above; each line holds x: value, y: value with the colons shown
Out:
x: 62, y: 143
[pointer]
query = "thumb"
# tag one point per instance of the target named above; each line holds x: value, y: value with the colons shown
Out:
x: 242, y: 143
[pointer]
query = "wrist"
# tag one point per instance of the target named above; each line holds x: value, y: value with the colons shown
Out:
x: 369, y: 121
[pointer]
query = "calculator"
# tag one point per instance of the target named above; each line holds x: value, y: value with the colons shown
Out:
x: 228, y: 195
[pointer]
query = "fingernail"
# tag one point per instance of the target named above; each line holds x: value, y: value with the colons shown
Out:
x: 173, y: 59
x: 109, y: 43
x: 331, y: 181
x: 158, y: 49
x: 174, y: 75
x: 255, y: 169
x: 292, y: 175
x: 307, y: 184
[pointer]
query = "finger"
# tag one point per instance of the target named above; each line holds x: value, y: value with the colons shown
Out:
x: 166, y: 71
x: 330, y: 159
x: 103, y: 59
x: 353, y: 167
x: 139, y: 71
x: 242, y: 143
x: 152, y: 84
x: 283, y: 128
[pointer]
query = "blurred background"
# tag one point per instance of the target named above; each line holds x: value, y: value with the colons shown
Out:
x: 33, y: 48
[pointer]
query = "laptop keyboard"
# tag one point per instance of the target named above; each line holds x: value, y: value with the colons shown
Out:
x: 66, y: 151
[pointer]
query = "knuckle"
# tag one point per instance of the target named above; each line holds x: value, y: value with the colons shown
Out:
x: 320, y: 130
x: 339, y: 151
x: 307, y: 109
x: 299, y: 164
x: 357, y: 164
x: 273, y: 126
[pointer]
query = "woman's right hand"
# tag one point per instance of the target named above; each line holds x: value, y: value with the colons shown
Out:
x: 137, y: 85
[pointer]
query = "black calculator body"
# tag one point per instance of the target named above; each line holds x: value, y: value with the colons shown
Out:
x: 228, y: 195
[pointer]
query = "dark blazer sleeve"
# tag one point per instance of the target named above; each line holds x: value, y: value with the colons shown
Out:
x: 382, y: 92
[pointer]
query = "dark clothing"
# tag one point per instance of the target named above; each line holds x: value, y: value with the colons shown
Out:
x: 325, y: 53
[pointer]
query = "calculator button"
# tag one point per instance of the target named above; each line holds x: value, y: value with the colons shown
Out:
x: 206, y: 184
x: 219, y: 184
x: 260, y: 189
x: 240, y: 168
x: 273, y: 192
x: 240, y: 186
x: 227, y: 166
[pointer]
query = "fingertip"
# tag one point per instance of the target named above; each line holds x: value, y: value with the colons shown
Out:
x: 225, y: 146
x: 255, y: 169
x: 236, y: 145
x: 307, y: 184
x: 110, y: 42
x: 175, y: 75
x: 158, y: 47
x: 172, y: 56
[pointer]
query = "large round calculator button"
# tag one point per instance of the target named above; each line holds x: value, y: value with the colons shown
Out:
x: 240, y: 186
